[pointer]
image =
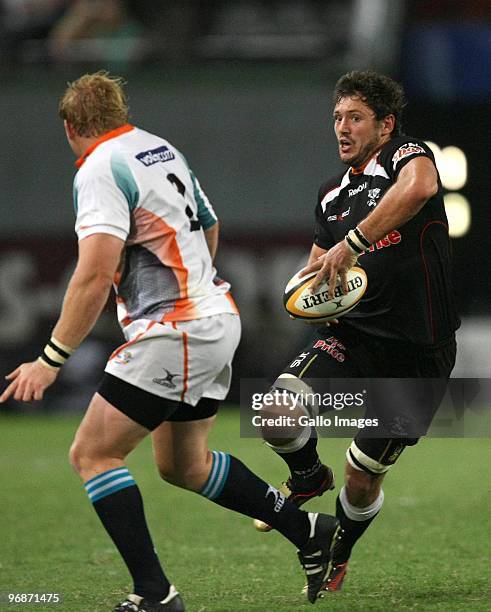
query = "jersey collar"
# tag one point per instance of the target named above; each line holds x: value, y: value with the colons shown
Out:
x: 360, y: 169
x: 107, y: 136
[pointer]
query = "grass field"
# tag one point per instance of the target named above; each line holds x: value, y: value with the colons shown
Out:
x: 428, y: 550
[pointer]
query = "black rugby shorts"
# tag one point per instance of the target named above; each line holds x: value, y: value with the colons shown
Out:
x: 406, y: 382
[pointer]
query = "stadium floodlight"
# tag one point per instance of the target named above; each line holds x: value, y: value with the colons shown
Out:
x: 451, y: 162
x: 455, y: 168
x: 458, y: 212
x: 437, y: 152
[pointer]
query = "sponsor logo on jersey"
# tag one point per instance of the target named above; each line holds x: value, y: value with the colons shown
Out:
x: 360, y: 188
x: 391, y: 239
x: 167, y: 381
x: 332, y: 347
x: 395, y: 454
x: 410, y: 148
x: 296, y: 362
x: 154, y: 156
x: 123, y: 358
x: 339, y: 217
x: 373, y: 195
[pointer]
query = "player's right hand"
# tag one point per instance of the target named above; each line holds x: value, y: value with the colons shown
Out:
x: 335, y: 262
x: 28, y: 382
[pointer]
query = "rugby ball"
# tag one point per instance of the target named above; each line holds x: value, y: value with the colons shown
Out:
x: 302, y: 304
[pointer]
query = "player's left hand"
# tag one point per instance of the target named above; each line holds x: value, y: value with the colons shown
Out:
x: 336, y: 262
x: 28, y: 382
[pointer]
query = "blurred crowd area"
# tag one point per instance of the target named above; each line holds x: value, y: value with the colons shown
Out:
x: 59, y: 31
x: 136, y: 31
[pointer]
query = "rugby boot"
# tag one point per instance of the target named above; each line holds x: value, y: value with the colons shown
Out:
x: 135, y: 603
x: 335, y: 579
x: 316, y: 554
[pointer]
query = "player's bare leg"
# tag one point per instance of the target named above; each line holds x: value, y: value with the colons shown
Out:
x: 104, y: 439
x: 181, y: 452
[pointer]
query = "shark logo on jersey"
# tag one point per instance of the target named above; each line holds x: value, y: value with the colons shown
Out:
x: 373, y: 194
x: 154, y: 156
x: 167, y: 381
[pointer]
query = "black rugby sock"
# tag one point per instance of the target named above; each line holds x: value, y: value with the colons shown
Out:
x: 304, y: 463
x: 352, y: 531
x: 119, y: 505
x: 232, y: 485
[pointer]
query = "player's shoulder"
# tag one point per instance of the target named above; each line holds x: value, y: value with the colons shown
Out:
x: 329, y: 187
x: 401, y: 149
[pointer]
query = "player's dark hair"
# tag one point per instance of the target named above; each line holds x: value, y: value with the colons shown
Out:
x: 381, y: 93
x: 95, y: 104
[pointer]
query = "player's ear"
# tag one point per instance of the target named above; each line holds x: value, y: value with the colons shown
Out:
x: 388, y: 124
x: 69, y: 130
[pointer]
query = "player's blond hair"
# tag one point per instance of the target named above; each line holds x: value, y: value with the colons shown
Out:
x: 95, y: 104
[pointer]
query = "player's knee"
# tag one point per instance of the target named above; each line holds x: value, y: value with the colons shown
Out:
x: 87, y: 461
x: 284, y: 413
x: 77, y: 457
x: 74, y: 457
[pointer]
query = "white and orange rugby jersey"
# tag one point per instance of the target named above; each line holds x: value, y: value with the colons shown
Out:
x: 138, y: 187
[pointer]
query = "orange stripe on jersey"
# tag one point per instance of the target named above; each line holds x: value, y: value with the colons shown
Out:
x: 186, y: 364
x: 229, y: 297
x: 119, y: 300
x: 107, y: 136
x: 160, y: 238
x: 135, y: 339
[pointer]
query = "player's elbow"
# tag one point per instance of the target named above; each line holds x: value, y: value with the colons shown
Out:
x: 95, y: 281
x: 426, y: 189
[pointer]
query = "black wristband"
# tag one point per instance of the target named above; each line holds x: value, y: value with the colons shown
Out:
x: 355, y: 248
x: 362, y: 238
x: 59, y: 350
x: 49, y: 361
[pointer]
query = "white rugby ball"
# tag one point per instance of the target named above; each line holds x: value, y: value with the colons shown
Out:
x: 302, y: 304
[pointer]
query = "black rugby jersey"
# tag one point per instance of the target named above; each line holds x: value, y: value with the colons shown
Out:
x: 410, y: 294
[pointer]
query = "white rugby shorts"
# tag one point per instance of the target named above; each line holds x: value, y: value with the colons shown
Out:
x: 181, y: 361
